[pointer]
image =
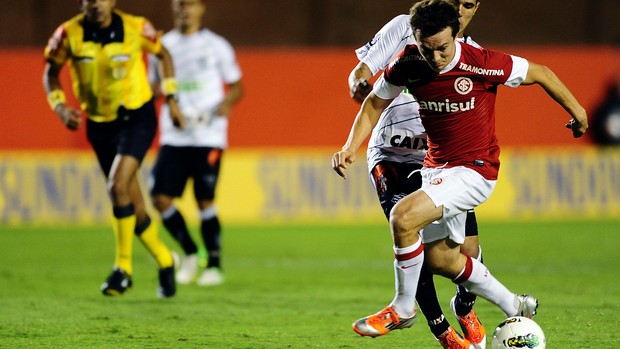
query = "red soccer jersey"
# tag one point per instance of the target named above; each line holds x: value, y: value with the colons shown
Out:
x: 457, y: 105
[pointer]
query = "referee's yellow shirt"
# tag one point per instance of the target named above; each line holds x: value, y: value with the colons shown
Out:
x: 107, y: 65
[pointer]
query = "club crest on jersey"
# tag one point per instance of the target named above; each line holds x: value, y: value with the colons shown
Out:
x: 463, y: 85
x: 436, y: 181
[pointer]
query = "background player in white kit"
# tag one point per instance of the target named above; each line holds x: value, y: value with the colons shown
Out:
x: 455, y: 85
x: 396, y: 151
x: 209, y: 84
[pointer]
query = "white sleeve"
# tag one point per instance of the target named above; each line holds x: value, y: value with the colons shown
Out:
x: 469, y: 41
x: 519, y: 71
x: 228, y: 66
x: 385, y: 90
x: 386, y: 44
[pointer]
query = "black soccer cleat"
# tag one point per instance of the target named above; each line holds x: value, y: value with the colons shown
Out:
x: 117, y: 283
x: 167, y: 286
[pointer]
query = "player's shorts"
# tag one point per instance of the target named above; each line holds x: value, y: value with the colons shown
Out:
x: 394, y: 180
x: 458, y: 190
x: 131, y: 133
x: 175, y: 165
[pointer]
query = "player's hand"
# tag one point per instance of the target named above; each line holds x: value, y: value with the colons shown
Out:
x: 175, y: 114
x: 360, y: 89
x: 341, y: 161
x: 70, y: 117
x: 578, y: 128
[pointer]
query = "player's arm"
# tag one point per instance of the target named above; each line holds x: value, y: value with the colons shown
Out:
x: 359, y: 87
x: 376, y: 55
x: 365, y: 121
x: 69, y: 116
x: 543, y: 76
x: 234, y: 91
x: 169, y: 86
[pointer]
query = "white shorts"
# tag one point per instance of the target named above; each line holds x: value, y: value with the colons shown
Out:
x: 458, y: 189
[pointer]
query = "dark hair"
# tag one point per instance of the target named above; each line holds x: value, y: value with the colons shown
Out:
x: 432, y: 16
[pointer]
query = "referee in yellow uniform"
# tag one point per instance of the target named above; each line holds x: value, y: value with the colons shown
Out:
x: 104, y: 49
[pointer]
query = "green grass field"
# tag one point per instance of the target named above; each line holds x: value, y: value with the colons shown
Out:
x: 294, y: 287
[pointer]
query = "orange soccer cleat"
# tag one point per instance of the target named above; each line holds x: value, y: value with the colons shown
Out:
x: 472, y: 328
x: 451, y: 339
x: 381, y: 323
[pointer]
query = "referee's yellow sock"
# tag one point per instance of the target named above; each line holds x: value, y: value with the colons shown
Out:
x: 124, y: 226
x: 147, y: 232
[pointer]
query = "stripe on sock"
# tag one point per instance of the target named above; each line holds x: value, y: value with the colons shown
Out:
x: 466, y: 273
x: 410, y: 255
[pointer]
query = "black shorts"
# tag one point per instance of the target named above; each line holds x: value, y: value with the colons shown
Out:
x: 394, y: 180
x: 130, y: 134
x: 176, y: 164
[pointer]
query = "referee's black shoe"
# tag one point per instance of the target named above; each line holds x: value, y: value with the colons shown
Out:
x: 117, y: 283
x: 167, y: 286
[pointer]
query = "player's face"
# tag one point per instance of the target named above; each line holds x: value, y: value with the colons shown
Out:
x: 187, y: 13
x: 98, y: 11
x: 467, y: 10
x: 438, y: 50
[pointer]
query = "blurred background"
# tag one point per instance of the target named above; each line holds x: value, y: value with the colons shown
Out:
x: 296, y: 111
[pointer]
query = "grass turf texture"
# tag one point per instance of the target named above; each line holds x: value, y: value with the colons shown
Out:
x: 294, y: 287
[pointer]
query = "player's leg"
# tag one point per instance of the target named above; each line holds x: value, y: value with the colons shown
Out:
x: 119, y: 178
x: 139, y: 128
x: 103, y: 138
x: 390, y: 181
x: 205, y: 174
x: 146, y: 230
x: 170, y: 175
x: 462, y: 304
x: 444, y: 258
x: 407, y: 218
x: 459, y: 190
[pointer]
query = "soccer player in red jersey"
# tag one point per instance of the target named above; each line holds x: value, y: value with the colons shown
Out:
x: 456, y: 86
x: 395, y: 156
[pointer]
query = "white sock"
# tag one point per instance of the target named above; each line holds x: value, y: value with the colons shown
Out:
x: 407, y: 266
x: 208, y: 213
x: 478, y: 280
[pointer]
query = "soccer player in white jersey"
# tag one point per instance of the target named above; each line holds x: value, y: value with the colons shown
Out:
x: 455, y: 85
x: 396, y: 151
x: 209, y: 84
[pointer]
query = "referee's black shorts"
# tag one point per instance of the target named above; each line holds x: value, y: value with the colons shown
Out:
x: 131, y: 133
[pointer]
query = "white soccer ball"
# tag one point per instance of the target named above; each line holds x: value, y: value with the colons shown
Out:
x: 518, y: 332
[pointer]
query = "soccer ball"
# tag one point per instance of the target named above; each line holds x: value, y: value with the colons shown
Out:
x: 518, y: 332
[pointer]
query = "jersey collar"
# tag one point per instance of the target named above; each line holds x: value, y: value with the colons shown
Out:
x: 114, y: 33
x: 455, y: 60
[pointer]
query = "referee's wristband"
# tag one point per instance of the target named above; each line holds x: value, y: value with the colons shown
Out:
x: 169, y: 86
x: 55, y: 98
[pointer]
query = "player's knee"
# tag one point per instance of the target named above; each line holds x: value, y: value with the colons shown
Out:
x: 117, y: 188
x: 405, y: 218
x: 400, y: 219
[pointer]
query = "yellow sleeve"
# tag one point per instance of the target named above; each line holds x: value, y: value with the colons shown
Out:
x: 151, y: 38
x: 57, y: 49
